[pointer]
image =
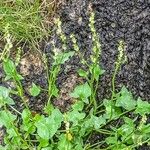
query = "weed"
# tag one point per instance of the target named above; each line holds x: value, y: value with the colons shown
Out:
x: 74, y: 128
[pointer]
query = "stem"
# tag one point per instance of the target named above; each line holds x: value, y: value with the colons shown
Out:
x: 113, y: 83
x: 15, y: 109
x: 113, y: 89
x: 13, y: 126
x: 95, y: 144
x: 99, y: 112
x: 103, y: 131
x: 20, y: 91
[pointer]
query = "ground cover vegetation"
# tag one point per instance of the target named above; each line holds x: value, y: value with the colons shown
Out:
x: 121, y: 120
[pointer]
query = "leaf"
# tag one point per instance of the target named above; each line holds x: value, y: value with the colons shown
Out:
x: 143, y: 107
x: 97, y: 72
x: 82, y: 73
x: 4, y: 96
x: 63, y: 57
x: 54, y: 122
x: 78, y: 106
x: 126, y: 129
x: 74, y: 116
x: 43, y: 142
x: 47, y: 148
x: 6, y: 119
x: 35, y: 90
x: 94, y: 122
x: 111, y: 111
x: 10, y: 70
x: 82, y: 91
x: 26, y: 115
x: 48, y: 108
x: 63, y: 143
x: 12, y: 132
x: 98, y: 121
x: 2, y: 147
x: 125, y: 100
x: 111, y: 140
x: 9, y: 67
x: 145, y: 129
x: 42, y: 128
x: 79, y: 147
x: 54, y: 91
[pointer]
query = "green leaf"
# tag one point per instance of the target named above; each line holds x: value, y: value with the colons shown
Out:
x: 127, y: 129
x: 82, y: 92
x: 111, y: 111
x: 63, y: 57
x: 54, y: 91
x: 4, y: 96
x: 47, y: 148
x: 78, y: 106
x: 145, y: 129
x: 74, y: 116
x: 9, y: 67
x: 97, y: 72
x: 125, y: 100
x: 42, y: 128
x: 2, y: 147
x: 82, y: 73
x: 10, y: 70
x: 94, y: 122
x: 48, y: 108
x: 29, y: 128
x: 79, y: 147
x: 98, y: 121
x: 111, y: 140
x: 12, y: 132
x: 6, y: 118
x: 26, y: 115
x: 54, y: 122
x: 35, y: 90
x: 143, y: 107
x: 63, y: 143
x: 43, y: 142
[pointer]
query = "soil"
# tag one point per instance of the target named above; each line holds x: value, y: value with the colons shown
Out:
x: 115, y: 20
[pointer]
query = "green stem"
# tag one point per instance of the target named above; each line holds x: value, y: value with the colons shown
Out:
x: 20, y: 91
x: 16, y: 131
x: 15, y: 109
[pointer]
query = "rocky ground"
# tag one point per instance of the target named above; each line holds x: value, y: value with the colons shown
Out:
x: 115, y: 20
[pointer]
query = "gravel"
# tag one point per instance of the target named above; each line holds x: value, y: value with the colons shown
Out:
x: 115, y: 20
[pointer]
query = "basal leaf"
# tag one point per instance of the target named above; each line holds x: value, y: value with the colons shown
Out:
x: 35, y: 90
x: 9, y: 67
x: 4, y: 96
x: 43, y: 142
x: 143, y: 107
x: 82, y: 92
x: 64, y: 144
x: 10, y: 70
x: 74, y: 116
x: 111, y: 110
x: 6, y: 118
x: 78, y: 106
x: 125, y: 100
x: 42, y: 128
x: 26, y: 115
x: 54, y: 121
